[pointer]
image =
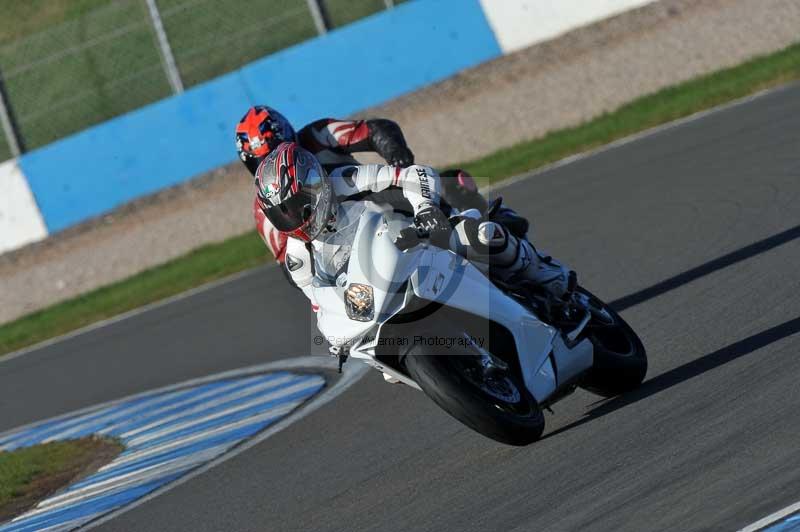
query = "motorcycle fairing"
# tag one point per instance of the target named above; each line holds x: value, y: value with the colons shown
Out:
x: 451, y: 280
x: 444, y: 277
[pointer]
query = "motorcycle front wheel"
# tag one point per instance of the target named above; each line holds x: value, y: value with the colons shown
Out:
x: 489, y: 398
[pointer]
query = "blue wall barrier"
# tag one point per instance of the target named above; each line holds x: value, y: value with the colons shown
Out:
x: 169, y: 142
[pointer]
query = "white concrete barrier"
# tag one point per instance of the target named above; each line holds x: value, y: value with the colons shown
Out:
x: 20, y: 220
x: 520, y: 23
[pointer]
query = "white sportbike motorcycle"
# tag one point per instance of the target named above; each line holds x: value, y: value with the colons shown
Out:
x: 492, y: 355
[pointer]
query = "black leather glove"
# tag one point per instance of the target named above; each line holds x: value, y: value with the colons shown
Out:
x: 407, y: 239
x: 430, y: 223
x: 388, y: 142
x: 433, y: 222
x: 400, y: 156
x: 431, y: 219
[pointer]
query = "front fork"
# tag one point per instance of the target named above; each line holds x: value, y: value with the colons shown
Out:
x: 342, y: 353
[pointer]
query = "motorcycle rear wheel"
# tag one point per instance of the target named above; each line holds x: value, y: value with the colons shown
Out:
x: 495, y: 404
x: 620, y: 359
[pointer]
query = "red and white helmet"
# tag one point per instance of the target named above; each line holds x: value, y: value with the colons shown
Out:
x: 294, y: 191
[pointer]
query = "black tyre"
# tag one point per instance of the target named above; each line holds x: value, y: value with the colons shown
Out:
x: 494, y: 403
x: 620, y: 360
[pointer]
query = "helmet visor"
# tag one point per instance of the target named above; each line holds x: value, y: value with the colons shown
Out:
x: 294, y: 212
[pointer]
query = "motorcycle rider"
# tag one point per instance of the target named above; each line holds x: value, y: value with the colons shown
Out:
x: 333, y: 142
x: 319, y: 212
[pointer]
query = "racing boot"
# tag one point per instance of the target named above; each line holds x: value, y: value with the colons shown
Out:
x: 499, y: 253
x: 514, y: 258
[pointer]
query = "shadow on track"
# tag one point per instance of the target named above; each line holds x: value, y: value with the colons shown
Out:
x: 707, y: 362
x: 705, y: 269
x: 689, y: 370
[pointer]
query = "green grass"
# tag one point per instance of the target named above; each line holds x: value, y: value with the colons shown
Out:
x: 5, y: 151
x: 29, y: 474
x: 101, y: 61
x: 215, y: 261
x: 22, y: 18
x: 213, y: 37
x: 346, y: 11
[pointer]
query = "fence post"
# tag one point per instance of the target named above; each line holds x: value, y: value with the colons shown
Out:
x: 9, y: 123
x: 170, y: 67
x: 319, y: 13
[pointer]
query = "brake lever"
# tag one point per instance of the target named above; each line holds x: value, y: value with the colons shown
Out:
x: 493, y: 207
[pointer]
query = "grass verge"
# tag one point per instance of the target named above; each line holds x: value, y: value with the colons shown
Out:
x: 643, y: 113
x: 30, y: 474
x: 239, y: 253
x: 205, y: 264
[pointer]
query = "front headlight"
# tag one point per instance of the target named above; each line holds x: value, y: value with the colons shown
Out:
x: 359, y: 303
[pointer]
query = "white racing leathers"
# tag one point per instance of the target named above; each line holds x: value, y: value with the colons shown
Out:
x: 324, y: 261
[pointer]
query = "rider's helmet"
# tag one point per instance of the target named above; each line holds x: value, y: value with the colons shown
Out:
x: 259, y: 132
x: 294, y: 192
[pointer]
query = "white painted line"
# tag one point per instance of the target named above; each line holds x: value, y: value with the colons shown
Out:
x: 351, y: 373
x: 122, y: 485
x: 184, y: 462
x: 144, y: 438
x: 770, y: 519
x: 126, y: 459
x: 119, y: 484
x: 149, y: 472
x: 171, y: 444
x: 201, y: 407
x: 103, y: 416
x: 303, y: 362
x: 124, y: 413
x: 71, y: 525
x: 109, y: 486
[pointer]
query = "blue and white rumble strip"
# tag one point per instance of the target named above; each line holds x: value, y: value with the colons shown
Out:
x: 788, y: 524
x: 785, y: 520
x: 166, y: 434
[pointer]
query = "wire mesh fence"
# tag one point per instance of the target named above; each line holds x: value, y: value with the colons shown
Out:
x: 346, y: 11
x: 210, y: 37
x: 68, y: 64
x: 89, y: 68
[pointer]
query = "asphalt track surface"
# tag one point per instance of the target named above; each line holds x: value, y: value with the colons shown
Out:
x: 693, y: 231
